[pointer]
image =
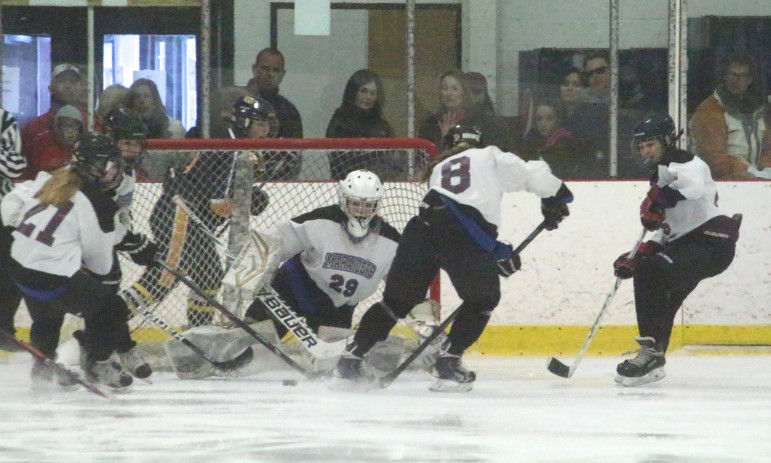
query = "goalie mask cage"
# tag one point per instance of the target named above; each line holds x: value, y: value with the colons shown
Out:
x: 269, y: 180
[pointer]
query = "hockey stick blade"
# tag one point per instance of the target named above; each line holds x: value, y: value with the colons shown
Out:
x: 238, y: 322
x: 562, y: 370
x: 559, y: 368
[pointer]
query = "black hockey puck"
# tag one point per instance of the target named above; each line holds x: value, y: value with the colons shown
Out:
x: 289, y: 382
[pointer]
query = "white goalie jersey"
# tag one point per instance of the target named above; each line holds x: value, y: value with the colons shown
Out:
x: 347, y: 272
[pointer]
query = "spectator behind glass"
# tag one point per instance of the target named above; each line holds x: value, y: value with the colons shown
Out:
x: 482, y: 111
x: 728, y: 127
x: 52, y: 149
x: 115, y: 96
x: 361, y: 116
x: 597, y: 74
x: 145, y: 101
x: 550, y: 141
x: 220, y: 112
x: 66, y: 88
x: 572, y: 90
x: 453, y: 101
x: 268, y: 71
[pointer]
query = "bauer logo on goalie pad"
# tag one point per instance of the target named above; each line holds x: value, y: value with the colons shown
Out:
x: 287, y: 317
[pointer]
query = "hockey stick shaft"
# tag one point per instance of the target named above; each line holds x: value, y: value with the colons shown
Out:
x: 56, y: 366
x: 240, y: 323
x: 565, y: 371
x: 226, y: 366
x: 390, y: 377
x: 272, y: 302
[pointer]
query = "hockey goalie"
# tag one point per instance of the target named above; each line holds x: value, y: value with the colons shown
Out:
x: 308, y: 273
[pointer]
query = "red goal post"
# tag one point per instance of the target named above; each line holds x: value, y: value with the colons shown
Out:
x: 271, y: 180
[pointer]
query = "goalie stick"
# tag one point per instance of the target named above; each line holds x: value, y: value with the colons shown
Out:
x: 270, y: 299
x: 560, y: 369
x: 47, y: 361
x: 386, y: 380
x: 240, y: 323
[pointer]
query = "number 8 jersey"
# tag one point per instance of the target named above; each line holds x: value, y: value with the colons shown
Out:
x: 478, y: 177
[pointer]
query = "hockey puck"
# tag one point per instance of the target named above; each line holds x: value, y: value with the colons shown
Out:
x: 289, y: 382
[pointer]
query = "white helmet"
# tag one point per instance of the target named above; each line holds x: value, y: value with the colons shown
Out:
x: 360, y: 194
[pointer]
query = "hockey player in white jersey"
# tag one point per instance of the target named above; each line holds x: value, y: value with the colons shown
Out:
x: 334, y: 256
x: 129, y: 133
x: 456, y: 230
x: 694, y: 239
x: 64, y: 231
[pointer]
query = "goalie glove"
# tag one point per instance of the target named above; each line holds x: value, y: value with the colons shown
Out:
x: 424, y: 317
x: 141, y: 249
x: 254, y: 266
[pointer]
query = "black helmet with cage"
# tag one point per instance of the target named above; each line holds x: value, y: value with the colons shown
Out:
x: 462, y: 137
x: 121, y: 124
x: 249, y: 110
x: 96, y: 158
x: 659, y: 127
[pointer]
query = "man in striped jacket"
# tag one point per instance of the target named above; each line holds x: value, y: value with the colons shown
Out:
x: 12, y: 164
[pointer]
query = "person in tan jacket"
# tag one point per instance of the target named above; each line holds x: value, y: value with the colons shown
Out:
x: 728, y: 128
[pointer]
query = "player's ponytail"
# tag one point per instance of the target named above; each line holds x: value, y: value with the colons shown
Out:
x: 60, y: 188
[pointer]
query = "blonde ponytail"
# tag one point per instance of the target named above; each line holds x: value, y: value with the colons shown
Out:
x: 60, y: 188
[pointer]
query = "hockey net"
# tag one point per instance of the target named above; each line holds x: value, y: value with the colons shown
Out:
x: 269, y: 181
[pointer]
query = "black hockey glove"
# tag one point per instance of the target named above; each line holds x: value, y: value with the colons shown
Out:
x: 141, y: 250
x: 555, y: 208
x: 509, y: 265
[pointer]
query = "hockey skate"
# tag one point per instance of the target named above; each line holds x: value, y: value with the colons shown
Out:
x: 110, y: 374
x: 350, y: 373
x: 134, y: 363
x: 646, y: 367
x: 450, y: 375
x: 43, y: 376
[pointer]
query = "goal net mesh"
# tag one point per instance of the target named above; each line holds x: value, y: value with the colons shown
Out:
x: 235, y: 185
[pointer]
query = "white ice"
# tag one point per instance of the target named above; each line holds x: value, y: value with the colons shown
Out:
x: 708, y: 409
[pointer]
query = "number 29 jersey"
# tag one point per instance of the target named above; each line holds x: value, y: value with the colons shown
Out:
x: 478, y: 177
x: 347, y: 272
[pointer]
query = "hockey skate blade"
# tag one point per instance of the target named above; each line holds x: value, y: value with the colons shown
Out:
x: 558, y: 368
x: 651, y: 377
x: 448, y: 386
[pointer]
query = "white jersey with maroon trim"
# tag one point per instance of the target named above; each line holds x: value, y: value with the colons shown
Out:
x: 478, y: 178
x: 56, y: 240
x: 694, y: 181
x: 347, y: 272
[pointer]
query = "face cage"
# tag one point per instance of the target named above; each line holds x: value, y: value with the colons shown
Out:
x: 360, y: 212
x: 638, y: 157
x: 132, y: 156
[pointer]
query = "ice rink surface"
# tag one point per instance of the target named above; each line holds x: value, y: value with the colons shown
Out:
x: 709, y: 409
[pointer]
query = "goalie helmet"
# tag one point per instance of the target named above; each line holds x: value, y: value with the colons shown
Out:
x: 659, y: 127
x: 96, y: 158
x: 360, y: 194
x: 249, y: 110
x: 121, y: 125
x: 470, y: 136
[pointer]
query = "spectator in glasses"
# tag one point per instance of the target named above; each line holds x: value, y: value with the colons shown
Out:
x: 597, y: 74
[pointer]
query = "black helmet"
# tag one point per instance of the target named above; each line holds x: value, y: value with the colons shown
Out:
x: 462, y: 134
x: 96, y: 158
x: 659, y: 126
x: 247, y: 110
x: 121, y: 124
